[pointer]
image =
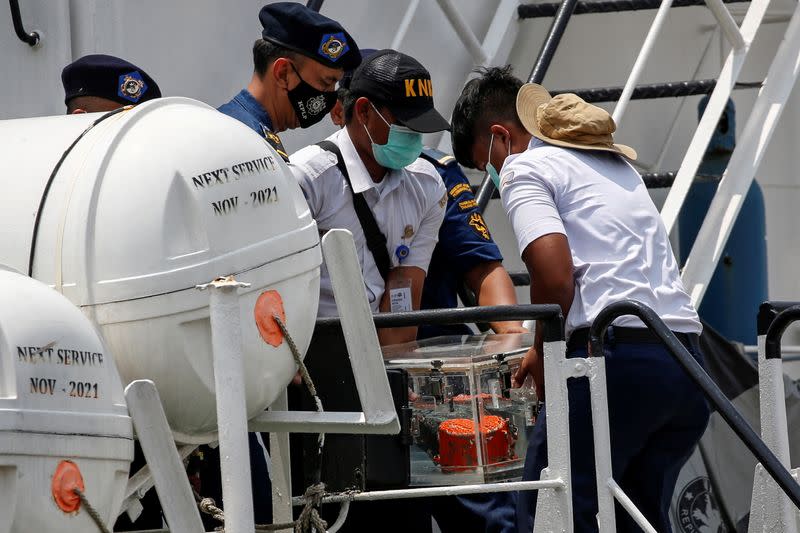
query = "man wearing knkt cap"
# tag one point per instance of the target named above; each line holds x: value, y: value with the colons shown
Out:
x: 465, y: 256
x: 387, y: 109
x: 590, y: 235
x: 368, y: 178
x: 465, y: 253
x: 98, y: 82
x: 296, y: 64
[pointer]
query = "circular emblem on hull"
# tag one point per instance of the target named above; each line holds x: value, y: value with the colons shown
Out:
x: 697, y: 509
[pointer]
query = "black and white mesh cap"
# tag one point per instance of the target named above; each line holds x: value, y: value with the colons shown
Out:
x: 404, y: 85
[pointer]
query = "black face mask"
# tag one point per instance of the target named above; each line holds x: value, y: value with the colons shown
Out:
x: 310, y: 104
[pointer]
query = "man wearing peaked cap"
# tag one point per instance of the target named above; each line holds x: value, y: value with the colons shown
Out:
x: 297, y: 61
x: 388, y: 107
x: 590, y: 236
x: 368, y: 178
x: 100, y: 82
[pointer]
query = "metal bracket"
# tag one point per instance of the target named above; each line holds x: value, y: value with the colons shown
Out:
x: 141, y: 482
x: 166, y: 466
x: 379, y: 416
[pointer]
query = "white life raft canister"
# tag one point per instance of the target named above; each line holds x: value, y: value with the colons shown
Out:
x: 63, y: 419
x: 147, y: 204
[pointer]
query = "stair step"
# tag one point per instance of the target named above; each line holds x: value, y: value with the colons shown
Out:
x: 670, y: 89
x: 529, y: 11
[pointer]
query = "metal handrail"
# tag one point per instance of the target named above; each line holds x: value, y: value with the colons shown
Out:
x: 768, y: 311
x: 549, y: 314
x: 551, y: 42
x: 772, y: 345
x: 725, y: 408
x: 32, y: 38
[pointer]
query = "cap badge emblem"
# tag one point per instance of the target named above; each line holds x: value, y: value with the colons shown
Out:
x: 333, y: 46
x: 131, y: 86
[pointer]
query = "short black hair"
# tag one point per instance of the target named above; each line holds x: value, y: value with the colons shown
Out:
x: 486, y: 99
x: 265, y: 53
x: 349, y: 103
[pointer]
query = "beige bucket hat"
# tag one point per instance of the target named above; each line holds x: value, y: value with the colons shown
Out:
x: 567, y: 120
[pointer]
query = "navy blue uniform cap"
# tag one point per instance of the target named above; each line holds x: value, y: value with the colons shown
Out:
x: 303, y: 30
x: 108, y: 77
x: 402, y: 84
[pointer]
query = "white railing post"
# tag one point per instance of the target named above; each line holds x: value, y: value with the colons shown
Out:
x: 746, y: 157
x: 726, y: 22
x: 644, y: 55
x: 234, y: 451
x: 554, y: 506
x: 281, y: 472
x: 497, y: 44
x: 594, y: 368
x: 464, y: 32
x: 402, y: 29
x: 770, y: 508
x: 708, y: 122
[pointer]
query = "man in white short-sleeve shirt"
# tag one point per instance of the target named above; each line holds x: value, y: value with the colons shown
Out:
x: 388, y: 107
x: 590, y: 235
x: 620, y: 248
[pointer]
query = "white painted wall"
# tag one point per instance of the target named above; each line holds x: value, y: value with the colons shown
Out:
x: 31, y: 77
x: 201, y: 49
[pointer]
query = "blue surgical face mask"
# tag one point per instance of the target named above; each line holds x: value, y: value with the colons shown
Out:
x: 490, y: 167
x: 402, y: 148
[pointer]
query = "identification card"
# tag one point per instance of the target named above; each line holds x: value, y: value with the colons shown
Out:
x: 400, y: 296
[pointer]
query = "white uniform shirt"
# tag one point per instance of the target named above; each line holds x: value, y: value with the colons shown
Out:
x: 408, y: 206
x: 620, y: 248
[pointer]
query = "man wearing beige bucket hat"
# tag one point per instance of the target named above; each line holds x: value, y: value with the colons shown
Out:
x: 590, y: 235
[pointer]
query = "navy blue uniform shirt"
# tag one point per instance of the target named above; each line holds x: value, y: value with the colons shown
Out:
x: 464, y: 242
x: 246, y: 109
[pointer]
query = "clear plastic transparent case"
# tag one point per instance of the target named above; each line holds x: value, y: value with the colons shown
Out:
x: 468, y: 424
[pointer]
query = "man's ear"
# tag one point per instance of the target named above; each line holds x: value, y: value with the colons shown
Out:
x: 501, y: 135
x: 361, y: 109
x: 281, y: 69
x: 337, y: 114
